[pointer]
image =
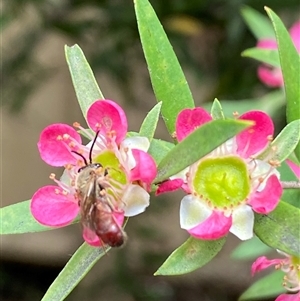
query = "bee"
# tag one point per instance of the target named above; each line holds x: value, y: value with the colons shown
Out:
x: 95, y: 207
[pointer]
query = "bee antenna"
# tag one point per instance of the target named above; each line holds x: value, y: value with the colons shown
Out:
x: 91, y: 150
x: 84, y: 159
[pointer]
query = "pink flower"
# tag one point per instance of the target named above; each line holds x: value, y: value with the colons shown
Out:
x: 225, y: 187
x: 290, y: 265
x: 272, y: 76
x: 121, y: 166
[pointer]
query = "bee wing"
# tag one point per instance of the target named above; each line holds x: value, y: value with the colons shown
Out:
x: 88, y: 204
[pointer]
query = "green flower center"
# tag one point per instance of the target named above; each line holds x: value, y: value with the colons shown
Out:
x: 222, y: 181
x: 296, y: 264
x: 109, y: 160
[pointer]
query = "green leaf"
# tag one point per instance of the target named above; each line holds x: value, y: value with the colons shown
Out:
x: 266, y: 56
x: 85, y: 85
x: 250, y: 249
x: 258, y: 23
x: 149, y: 125
x: 280, y: 228
x: 294, y: 158
x: 269, y: 103
x: 216, y: 110
x: 196, y: 145
x: 191, y: 255
x: 159, y: 149
x: 290, y: 66
x: 291, y: 196
x: 17, y: 219
x: 284, y: 144
x: 76, y: 268
x: 167, y: 78
x: 268, y: 286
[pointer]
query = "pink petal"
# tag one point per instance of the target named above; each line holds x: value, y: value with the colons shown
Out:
x: 254, y: 139
x: 295, y: 35
x: 266, y: 200
x: 270, y: 76
x: 54, y: 151
x: 267, y: 44
x: 294, y: 167
x: 215, y: 226
x: 51, y: 207
x: 145, y: 168
x: 107, y: 116
x: 262, y: 263
x: 90, y: 237
x: 190, y: 119
x: 290, y: 297
x: 169, y: 185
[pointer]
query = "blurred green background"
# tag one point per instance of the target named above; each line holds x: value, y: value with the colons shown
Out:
x: 36, y: 90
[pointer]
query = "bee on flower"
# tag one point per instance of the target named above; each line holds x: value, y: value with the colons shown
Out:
x: 104, y: 181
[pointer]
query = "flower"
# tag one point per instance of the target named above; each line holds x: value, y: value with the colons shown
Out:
x: 272, y: 76
x: 290, y: 265
x: 226, y: 187
x: 124, y: 169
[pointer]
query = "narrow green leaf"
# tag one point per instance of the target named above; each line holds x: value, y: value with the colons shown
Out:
x: 290, y: 66
x: 196, y: 145
x: 291, y: 196
x: 77, y: 267
x: 258, y: 23
x: 266, y: 56
x: 216, y: 110
x: 268, y: 286
x: 250, y: 249
x: 85, y: 85
x: 159, y: 149
x: 191, y: 255
x: 167, y: 78
x: 17, y: 219
x: 294, y: 158
x: 284, y: 144
x: 280, y: 228
x: 149, y: 125
x: 269, y: 103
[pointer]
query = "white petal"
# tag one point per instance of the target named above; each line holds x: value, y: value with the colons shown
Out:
x: 127, y: 157
x: 136, y: 200
x: 141, y: 143
x: 228, y: 147
x: 242, y: 222
x: 192, y: 212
